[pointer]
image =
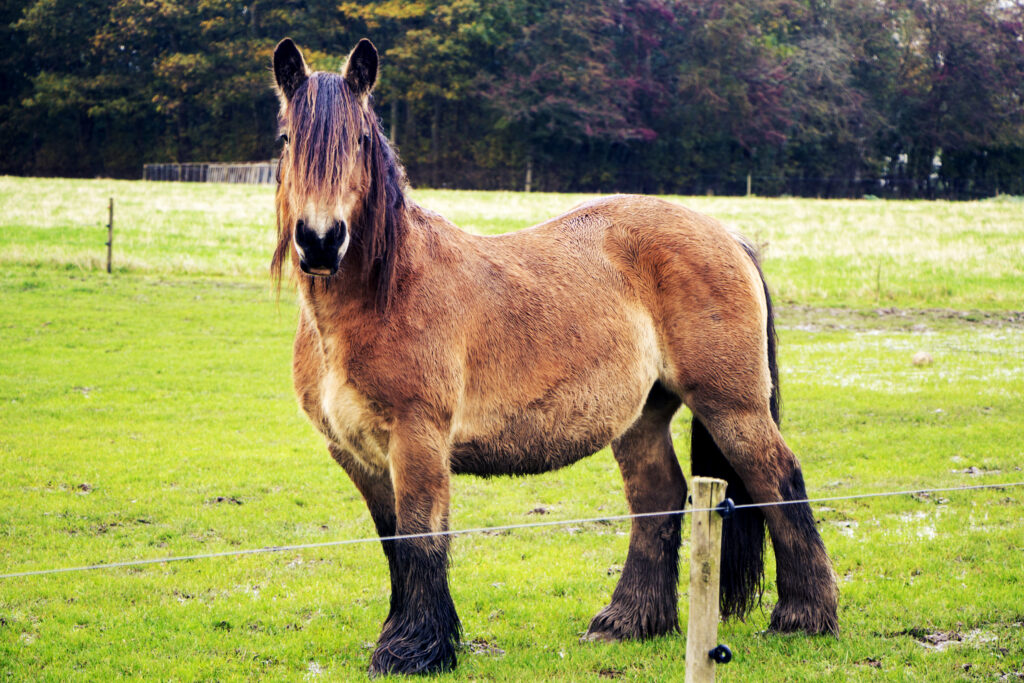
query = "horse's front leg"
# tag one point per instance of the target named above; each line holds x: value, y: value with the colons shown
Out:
x: 422, y: 629
x: 375, y: 485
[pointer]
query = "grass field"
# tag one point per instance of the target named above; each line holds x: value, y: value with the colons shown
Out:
x: 150, y: 414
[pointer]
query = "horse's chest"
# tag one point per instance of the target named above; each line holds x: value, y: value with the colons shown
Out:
x: 354, y: 422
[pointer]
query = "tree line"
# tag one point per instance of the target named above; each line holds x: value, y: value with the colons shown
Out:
x: 907, y: 98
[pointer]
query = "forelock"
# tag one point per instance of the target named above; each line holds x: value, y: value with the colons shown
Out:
x: 325, y: 120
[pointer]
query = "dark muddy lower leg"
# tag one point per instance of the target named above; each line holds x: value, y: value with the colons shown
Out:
x: 806, y: 583
x: 422, y: 629
x: 644, y: 603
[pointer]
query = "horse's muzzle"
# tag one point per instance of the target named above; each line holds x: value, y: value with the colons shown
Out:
x: 318, y: 255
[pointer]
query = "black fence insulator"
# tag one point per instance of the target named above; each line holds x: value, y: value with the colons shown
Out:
x: 725, y: 509
x: 721, y: 653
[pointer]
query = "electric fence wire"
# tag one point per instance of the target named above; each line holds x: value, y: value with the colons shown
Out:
x: 492, y: 529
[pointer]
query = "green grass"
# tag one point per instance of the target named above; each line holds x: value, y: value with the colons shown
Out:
x: 150, y: 414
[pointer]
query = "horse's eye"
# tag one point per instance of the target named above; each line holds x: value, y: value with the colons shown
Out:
x: 282, y: 139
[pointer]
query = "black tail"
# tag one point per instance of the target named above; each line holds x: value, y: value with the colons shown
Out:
x: 773, y: 339
x: 742, y: 581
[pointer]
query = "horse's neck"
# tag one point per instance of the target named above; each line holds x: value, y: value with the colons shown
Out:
x: 427, y: 230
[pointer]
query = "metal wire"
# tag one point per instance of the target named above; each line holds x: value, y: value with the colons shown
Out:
x: 504, y: 527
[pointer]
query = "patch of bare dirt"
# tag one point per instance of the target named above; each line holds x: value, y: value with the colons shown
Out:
x: 819, y: 318
x: 872, y: 662
x: 610, y: 672
x: 224, y: 499
x: 940, y: 640
x: 481, y: 646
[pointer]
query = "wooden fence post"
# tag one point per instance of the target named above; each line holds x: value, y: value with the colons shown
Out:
x: 705, y: 567
x: 110, y: 235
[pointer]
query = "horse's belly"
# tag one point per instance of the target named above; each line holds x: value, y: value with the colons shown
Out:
x: 535, y: 421
x: 542, y: 438
x: 490, y: 456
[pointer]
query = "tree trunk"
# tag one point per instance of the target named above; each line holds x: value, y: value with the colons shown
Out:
x: 435, y: 142
x: 394, y: 122
x: 410, y: 131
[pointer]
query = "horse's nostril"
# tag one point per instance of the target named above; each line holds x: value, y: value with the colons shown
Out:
x: 301, y: 234
x: 335, y: 236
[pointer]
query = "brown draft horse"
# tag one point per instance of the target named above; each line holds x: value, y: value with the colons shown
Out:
x: 424, y: 351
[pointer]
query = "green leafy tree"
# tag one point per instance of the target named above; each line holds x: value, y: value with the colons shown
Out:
x: 808, y: 96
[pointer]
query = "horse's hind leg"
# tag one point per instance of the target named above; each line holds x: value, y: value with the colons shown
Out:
x: 644, y: 602
x: 752, y: 444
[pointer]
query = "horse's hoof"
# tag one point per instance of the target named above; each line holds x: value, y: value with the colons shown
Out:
x: 599, y: 637
x: 401, y: 659
x: 384, y: 666
x: 606, y: 627
x: 812, y: 620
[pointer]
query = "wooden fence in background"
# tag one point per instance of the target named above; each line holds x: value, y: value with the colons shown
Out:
x: 254, y: 172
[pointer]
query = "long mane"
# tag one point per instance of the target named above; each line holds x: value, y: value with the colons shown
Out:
x: 328, y: 123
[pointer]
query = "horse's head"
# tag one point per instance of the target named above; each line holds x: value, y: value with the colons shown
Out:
x: 326, y: 168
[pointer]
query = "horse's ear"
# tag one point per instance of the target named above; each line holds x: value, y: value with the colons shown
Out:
x: 361, y: 70
x: 290, y: 70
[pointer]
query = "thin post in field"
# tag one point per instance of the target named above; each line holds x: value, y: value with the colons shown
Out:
x: 110, y: 235
x: 705, y: 576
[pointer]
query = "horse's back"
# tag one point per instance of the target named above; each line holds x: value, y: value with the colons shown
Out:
x: 645, y: 243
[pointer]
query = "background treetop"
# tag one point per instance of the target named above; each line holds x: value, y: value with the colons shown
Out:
x: 819, y: 97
